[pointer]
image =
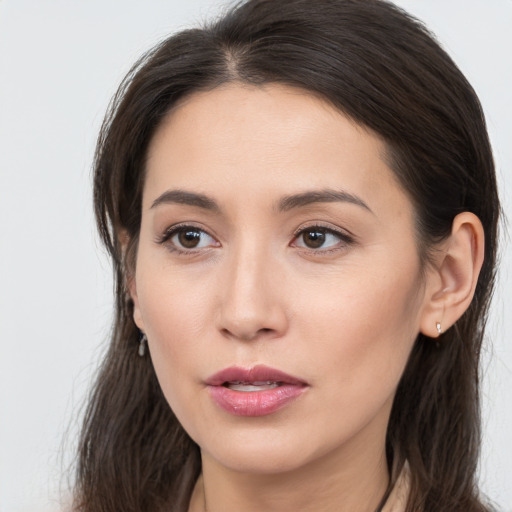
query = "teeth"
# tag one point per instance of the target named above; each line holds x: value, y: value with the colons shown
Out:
x: 252, y: 386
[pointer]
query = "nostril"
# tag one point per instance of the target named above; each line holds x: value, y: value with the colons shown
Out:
x: 247, y: 320
x: 247, y: 335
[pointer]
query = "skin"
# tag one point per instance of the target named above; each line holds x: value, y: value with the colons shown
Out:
x: 343, y: 316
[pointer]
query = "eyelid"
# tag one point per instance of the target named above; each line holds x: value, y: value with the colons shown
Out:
x: 346, y: 237
x: 344, y: 233
x: 172, y: 230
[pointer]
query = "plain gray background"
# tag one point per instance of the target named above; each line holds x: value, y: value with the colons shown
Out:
x: 60, y: 62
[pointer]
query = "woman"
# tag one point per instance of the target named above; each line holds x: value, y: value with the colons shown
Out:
x: 301, y: 206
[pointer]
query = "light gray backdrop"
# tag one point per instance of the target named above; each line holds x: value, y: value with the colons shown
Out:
x: 60, y: 62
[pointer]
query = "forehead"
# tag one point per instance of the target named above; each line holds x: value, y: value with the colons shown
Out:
x: 271, y: 139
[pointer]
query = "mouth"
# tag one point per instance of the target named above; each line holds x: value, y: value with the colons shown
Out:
x: 259, y: 375
x: 256, y: 391
x: 249, y: 387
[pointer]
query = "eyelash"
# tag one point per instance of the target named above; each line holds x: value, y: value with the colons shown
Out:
x: 344, y: 238
x: 165, y: 238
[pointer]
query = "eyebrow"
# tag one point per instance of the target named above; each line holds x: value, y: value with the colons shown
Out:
x: 320, y: 196
x: 188, y: 198
x: 287, y: 203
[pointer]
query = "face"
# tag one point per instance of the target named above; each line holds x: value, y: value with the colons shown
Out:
x: 277, y: 278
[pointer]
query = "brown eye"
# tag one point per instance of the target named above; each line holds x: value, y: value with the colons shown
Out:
x: 321, y: 239
x: 314, y: 238
x: 189, y: 239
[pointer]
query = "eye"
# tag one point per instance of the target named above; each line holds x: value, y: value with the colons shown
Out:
x: 321, y: 238
x: 188, y: 238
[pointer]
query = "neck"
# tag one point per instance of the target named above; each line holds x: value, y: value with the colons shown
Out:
x: 337, y: 482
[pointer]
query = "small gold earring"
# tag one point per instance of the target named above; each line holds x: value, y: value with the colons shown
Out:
x: 438, y: 327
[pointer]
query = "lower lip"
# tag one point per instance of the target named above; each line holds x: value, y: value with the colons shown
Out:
x: 255, y: 403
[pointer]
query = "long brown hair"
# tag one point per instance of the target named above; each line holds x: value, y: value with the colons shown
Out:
x: 383, y: 69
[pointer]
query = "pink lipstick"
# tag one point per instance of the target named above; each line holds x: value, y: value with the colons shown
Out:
x: 256, y: 391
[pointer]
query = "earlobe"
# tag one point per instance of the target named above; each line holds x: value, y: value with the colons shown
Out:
x: 129, y: 272
x: 126, y: 242
x: 137, y: 317
x: 451, y: 284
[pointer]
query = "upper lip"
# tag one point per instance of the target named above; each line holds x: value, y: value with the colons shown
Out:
x: 258, y: 373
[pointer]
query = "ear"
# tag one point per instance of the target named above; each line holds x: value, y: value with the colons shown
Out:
x: 452, y: 281
x: 132, y: 289
x: 131, y: 284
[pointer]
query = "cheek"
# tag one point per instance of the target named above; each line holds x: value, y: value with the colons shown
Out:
x: 360, y: 331
x: 173, y: 303
x: 175, y: 313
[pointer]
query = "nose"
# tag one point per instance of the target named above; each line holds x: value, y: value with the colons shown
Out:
x: 252, y: 298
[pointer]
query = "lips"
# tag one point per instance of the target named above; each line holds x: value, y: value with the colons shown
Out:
x: 255, y: 391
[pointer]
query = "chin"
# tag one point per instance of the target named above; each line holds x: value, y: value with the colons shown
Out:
x: 263, y: 451
x: 262, y: 461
